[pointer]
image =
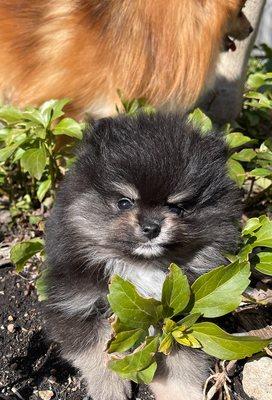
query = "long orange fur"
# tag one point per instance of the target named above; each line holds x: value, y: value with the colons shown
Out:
x: 162, y: 50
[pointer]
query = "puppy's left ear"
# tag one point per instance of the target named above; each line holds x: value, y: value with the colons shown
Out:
x: 219, y: 139
x: 96, y: 131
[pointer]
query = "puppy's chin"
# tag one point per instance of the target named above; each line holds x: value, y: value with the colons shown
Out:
x: 149, y: 250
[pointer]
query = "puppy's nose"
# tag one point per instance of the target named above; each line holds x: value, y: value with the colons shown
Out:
x: 151, y: 229
x: 250, y: 29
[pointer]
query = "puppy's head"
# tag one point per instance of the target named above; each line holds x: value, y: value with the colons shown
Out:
x: 147, y: 187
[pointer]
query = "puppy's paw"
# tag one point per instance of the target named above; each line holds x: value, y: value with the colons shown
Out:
x: 117, y: 390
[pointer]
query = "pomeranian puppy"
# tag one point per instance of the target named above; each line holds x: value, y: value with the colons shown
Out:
x: 88, y: 49
x: 145, y: 191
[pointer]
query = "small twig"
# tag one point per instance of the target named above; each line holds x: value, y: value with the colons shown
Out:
x: 251, y: 188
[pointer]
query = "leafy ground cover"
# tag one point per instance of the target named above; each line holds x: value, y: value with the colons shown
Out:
x: 33, y: 161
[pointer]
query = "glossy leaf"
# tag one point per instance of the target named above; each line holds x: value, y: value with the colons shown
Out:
x: 166, y: 344
x: 10, y: 114
x: 175, y: 292
x: 264, y: 263
x: 124, y: 341
x: 201, y: 120
x: 263, y: 172
x: 237, y: 139
x: 236, y: 172
x: 34, y: 161
x: 69, y: 127
x: 43, y: 188
x: 218, y: 292
x: 189, y: 320
x: 264, y: 235
x: 224, y: 346
x: 22, y: 252
x: 251, y: 225
x: 244, y: 155
x: 139, y: 366
x: 7, y: 151
x: 130, y: 307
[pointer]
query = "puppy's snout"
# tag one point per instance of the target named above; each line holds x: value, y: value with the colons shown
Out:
x: 151, y: 229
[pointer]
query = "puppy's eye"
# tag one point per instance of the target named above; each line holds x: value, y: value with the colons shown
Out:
x: 176, y: 209
x: 125, y: 203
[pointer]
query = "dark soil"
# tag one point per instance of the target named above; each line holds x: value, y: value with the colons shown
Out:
x: 30, y: 364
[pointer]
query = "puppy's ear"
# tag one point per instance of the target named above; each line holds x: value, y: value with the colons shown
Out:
x: 96, y: 131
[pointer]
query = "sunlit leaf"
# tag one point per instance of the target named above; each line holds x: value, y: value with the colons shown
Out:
x: 212, y: 290
x: 224, y: 346
x: 21, y: 252
x: 131, y: 308
x: 236, y: 172
x: 69, y: 127
x: 34, y: 161
x: 175, y: 291
x: 264, y: 263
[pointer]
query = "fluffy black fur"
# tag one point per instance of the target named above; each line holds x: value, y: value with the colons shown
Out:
x: 88, y: 238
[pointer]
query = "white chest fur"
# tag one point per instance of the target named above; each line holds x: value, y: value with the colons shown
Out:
x: 148, y: 277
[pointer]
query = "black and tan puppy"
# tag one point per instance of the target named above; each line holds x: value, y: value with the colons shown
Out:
x: 144, y: 192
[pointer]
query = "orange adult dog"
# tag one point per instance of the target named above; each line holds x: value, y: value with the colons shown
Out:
x: 165, y: 51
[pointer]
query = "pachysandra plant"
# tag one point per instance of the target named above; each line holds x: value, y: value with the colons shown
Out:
x: 179, y: 319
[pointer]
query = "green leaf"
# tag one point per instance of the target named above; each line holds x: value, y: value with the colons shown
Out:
x: 263, y: 172
x: 34, y: 115
x: 6, y: 152
x: 69, y: 127
x: 244, y: 253
x: 200, y: 120
x: 34, y: 161
x: 263, y: 183
x: 145, y: 376
x: 52, y: 109
x: 256, y: 80
x: 186, y: 339
x: 224, y: 346
x: 132, y: 309
x: 237, y: 139
x: 244, y: 155
x: 218, y: 292
x: 22, y: 252
x: 40, y: 133
x: 168, y: 325
x: 265, y: 155
x: 264, y: 235
x: 251, y: 225
x: 236, y: 172
x: 175, y: 291
x: 41, y: 285
x: 43, y: 188
x: 124, y: 341
x: 140, y: 365
x: 189, y: 320
x: 10, y: 114
x: 264, y: 263
x: 18, y: 154
x: 166, y: 343
x: 259, y: 100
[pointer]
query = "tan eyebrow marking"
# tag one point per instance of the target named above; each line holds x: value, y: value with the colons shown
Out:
x: 127, y: 190
x: 177, y: 197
